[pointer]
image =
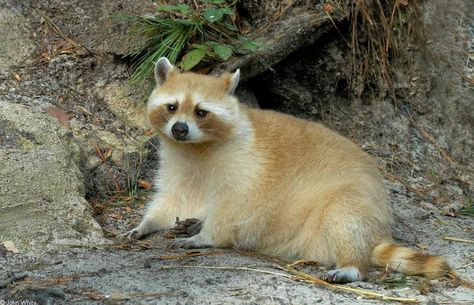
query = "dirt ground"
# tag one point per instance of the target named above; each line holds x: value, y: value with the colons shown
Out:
x: 424, y: 148
x: 146, y: 272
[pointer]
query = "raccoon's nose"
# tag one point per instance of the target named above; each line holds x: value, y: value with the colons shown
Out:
x: 179, y: 130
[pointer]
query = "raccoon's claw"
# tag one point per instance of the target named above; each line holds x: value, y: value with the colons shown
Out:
x: 132, y: 234
x: 194, y: 242
x: 187, y: 228
x: 343, y: 275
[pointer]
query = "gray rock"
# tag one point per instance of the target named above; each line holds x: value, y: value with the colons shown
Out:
x: 15, y: 44
x: 42, y: 204
x: 120, y: 98
x: 298, y: 28
x: 94, y: 24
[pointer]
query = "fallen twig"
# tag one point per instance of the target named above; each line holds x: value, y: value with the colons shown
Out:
x: 56, y: 281
x: 12, y: 279
x: 122, y: 296
x: 395, y: 178
x: 433, y: 142
x: 58, y: 31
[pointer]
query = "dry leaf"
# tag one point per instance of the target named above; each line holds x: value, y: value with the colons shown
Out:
x: 449, y: 212
x: 94, y: 295
x: 203, y: 70
x: 103, y: 153
x: 245, y: 28
x: 148, y: 132
x: 119, y: 296
x: 106, y: 155
x: 328, y: 8
x: 60, y: 115
x: 116, y: 216
x: 61, y: 280
x: 404, y: 2
x: 98, y: 208
x: 128, y: 209
x: 144, y: 184
x: 10, y: 246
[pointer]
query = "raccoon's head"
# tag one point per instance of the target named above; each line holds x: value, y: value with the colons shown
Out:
x: 193, y: 108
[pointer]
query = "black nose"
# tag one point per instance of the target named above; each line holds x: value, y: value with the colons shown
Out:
x: 179, y: 130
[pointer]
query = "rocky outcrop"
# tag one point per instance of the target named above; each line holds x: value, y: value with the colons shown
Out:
x: 42, y: 204
x: 15, y: 33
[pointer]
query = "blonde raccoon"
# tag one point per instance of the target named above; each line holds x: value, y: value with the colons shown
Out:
x: 268, y: 182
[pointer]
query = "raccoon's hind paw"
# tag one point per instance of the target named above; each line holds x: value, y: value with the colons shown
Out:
x: 194, y: 242
x: 132, y: 234
x: 343, y: 275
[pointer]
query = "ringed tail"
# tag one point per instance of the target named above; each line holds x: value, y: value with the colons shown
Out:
x: 408, y: 261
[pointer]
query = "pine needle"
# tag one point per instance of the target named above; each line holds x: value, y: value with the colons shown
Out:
x: 459, y: 239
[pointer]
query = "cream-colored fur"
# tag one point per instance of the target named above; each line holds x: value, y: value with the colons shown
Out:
x: 271, y: 183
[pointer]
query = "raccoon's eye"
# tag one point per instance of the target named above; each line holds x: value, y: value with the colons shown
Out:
x: 171, y: 107
x: 201, y: 113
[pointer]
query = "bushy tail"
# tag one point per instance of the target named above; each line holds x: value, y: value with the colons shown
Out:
x: 409, y: 261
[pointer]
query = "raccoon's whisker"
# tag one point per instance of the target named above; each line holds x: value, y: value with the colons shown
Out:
x: 214, y: 138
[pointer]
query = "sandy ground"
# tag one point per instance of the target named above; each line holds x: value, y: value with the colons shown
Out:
x: 146, y: 272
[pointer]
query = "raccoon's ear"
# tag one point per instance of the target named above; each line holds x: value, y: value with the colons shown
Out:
x: 233, y: 82
x: 163, y: 69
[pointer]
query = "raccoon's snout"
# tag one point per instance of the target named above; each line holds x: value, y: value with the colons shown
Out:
x: 179, y: 130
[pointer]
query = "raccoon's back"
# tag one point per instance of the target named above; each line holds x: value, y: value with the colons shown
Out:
x: 291, y: 142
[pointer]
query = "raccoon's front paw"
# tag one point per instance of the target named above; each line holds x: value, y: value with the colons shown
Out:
x: 187, y: 228
x: 194, y: 242
x: 132, y: 234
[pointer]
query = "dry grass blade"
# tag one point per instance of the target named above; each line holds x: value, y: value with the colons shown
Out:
x: 459, y: 239
x: 301, y: 276
x: 229, y: 268
x: 55, y: 281
x: 382, y: 33
x: 190, y: 254
x: 303, y: 262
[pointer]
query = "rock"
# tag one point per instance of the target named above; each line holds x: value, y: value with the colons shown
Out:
x: 298, y: 28
x: 42, y: 191
x: 258, y: 10
x: 94, y: 24
x: 120, y: 99
x: 16, y: 45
